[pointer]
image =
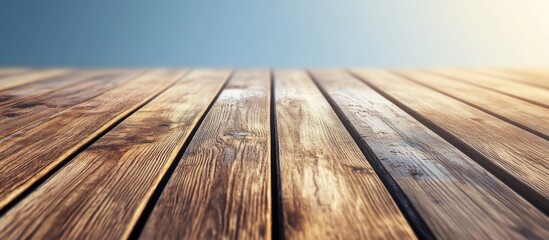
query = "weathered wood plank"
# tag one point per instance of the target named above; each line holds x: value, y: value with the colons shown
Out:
x: 30, y: 154
x: 525, y: 92
x: 32, y: 76
x: 46, y: 86
x: 529, y: 116
x: 102, y: 192
x: 517, y: 157
x: 31, y: 90
x: 38, y: 109
x: 329, y: 190
x: 454, y: 195
x: 221, y: 187
x: 519, y: 76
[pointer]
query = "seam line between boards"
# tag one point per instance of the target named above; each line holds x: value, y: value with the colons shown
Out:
x: 139, y: 226
x: 69, y: 158
x: 411, y: 215
x: 505, y: 119
x: 276, y: 187
x: 490, y: 89
x: 523, y: 189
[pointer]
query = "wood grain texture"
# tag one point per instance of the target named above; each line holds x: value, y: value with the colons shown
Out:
x: 106, y: 154
x: 328, y: 188
x: 532, y: 78
x: 454, y: 195
x: 527, y: 115
x: 37, y: 109
x: 516, y: 156
x: 35, y: 89
x: 31, y: 76
x: 221, y: 187
x: 29, y: 154
x: 110, y: 182
x: 525, y: 92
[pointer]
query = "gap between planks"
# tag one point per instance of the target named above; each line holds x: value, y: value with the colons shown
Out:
x: 20, y: 188
x: 534, y: 95
x: 529, y: 186
x: 78, y: 173
x: 455, y: 194
x: 414, y: 219
x: 525, y: 115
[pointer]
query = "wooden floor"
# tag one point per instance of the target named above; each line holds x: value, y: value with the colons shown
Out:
x: 261, y: 154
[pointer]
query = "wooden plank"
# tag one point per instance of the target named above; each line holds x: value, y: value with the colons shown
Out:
x: 538, y: 72
x: 38, y: 109
x: 221, y: 187
x: 102, y: 192
x: 527, y: 93
x: 31, y: 90
x: 535, y: 77
x: 30, y: 154
x: 6, y: 72
x: 528, y: 116
x: 32, y: 76
x: 517, y: 76
x: 328, y: 188
x: 46, y: 86
x: 456, y: 196
x: 517, y: 157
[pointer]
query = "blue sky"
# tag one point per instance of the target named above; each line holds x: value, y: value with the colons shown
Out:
x: 282, y: 33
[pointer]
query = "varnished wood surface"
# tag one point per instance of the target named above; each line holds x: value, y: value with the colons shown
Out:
x: 259, y: 154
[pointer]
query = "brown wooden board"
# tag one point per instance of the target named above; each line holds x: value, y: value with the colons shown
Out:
x: 531, y: 117
x: 328, y: 188
x: 519, y: 158
x: 38, y: 109
x: 221, y: 187
x: 525, y: 92
x: 46, y: 86
x: 519, y: 76
x: 102, y: 192
x: 454, y: 195
x: 30, y: 154
x: 31, y: 76
x: 534, y: 77
x: 171, y: 153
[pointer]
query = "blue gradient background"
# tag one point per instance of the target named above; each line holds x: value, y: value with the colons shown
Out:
x: 282, y: 33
